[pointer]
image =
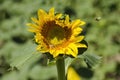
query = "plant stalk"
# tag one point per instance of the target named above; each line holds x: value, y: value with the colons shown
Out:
x: 60, y: 63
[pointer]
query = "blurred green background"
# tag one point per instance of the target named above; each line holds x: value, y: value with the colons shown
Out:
x: 102, y: 31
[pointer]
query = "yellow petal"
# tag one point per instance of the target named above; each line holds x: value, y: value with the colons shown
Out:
x: 82, y: 23
x: 57, y: 52
x: 77, y: 31
x: 79, y: 38
x: 58, y: 16
x: 81, y: 45
x: 41, y: 14
x: 52, y: 52
x: 51, y: 12
x: 75, y: 23
x: 67, y: 19
x: 31, y: 30
x: 41, y: 49
x: 70, y: 52
x: 72, y: 49
x: 33, y: 27
x: 35, y: 20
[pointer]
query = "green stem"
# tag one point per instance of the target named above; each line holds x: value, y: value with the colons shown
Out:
x: 60, y: 68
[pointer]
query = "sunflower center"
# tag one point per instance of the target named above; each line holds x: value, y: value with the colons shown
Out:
x: 56, y: 35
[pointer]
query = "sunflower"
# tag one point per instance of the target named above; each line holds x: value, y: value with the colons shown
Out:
x: 56, y: 35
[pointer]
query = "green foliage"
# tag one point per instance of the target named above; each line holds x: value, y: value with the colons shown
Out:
x: 91, y: 59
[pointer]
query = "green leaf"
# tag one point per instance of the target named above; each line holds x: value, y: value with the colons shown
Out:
x: 68, y: 62
x: 91, y: 59
x: 11, y: 76
x: 43, y: 73
x: 25, y: 57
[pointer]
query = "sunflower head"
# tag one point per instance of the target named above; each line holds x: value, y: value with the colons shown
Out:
x: 56, y: 35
